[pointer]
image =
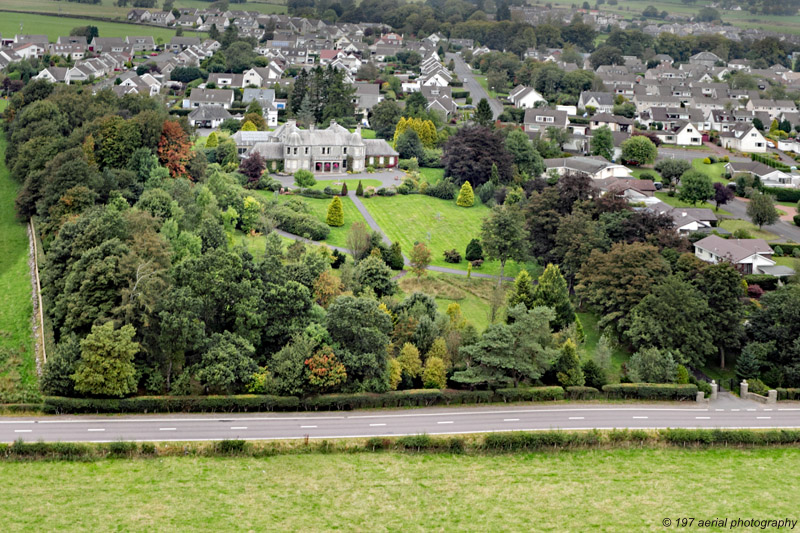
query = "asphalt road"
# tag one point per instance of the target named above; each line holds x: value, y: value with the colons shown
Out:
x: 786, y: 231
x: 464, y: 73
x: 431, y: 421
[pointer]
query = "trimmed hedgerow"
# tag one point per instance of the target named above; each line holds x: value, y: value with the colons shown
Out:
x: 651, y: 391
x: 531, y: 394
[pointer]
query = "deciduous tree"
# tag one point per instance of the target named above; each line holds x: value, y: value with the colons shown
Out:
x: 106, y: 364
x: 174, y: 149
x: 695, y: 187
x: 503, y: 236
x: 419, y: 259
x: 761, y: 209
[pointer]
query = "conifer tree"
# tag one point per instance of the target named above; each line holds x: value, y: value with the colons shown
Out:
x: 552, y: 291
x: 568, y: 366
x: 335, y: 212
x: 466, y: 197
x: 522, y: 293
x: 360, y: 189
x: 212, y: 141
x: 344, y: 189
x: 434, y: 375
x: 249, y: 126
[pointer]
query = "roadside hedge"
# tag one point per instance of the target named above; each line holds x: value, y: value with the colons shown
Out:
x: 783, y: 195
x: 531, y: 394
x: 788, y: 394
x: 582, y: 393
x: 787, y: 247
x: 170, y: 404
x: 651, y: 391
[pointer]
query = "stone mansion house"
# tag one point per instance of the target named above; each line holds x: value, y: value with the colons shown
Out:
x: 330, y: 150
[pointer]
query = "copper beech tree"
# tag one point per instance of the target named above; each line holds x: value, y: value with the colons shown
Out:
x: 174, y: 149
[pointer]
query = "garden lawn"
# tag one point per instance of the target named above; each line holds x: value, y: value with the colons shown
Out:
x: 483, y: 82
x: 714, y: 171
x: 18, y: 380
x: 256, y: 244
x: 319, y: 208
x: 592, y: 336
x: 473, y: 295
x: 675, y: 202
x: 735, y: 224
x: 599, y: 490
x: 432, y: 175
x: 440, y: 224
x: 352, y: 184
x: 637, y: 173
x: 55, y: 26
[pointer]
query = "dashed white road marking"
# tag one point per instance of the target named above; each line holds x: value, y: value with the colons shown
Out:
x: 763, y: 417
x: 308, y: 427
x: 640, y: 417
x: 238, y: 427
x: 22, y: 430
x: 376, y: 425
x: 576, y: 418
x: 703, y: 417
x: 511, y: 420
x: 167, y: 429
x: 445, y: 422
x: 95, y: 429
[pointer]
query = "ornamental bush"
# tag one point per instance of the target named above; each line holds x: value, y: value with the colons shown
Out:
x: 466, y: 198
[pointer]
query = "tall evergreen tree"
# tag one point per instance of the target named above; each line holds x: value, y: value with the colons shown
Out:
x: 552, y: 292
x: 523, y: 291
x: 483, y: 113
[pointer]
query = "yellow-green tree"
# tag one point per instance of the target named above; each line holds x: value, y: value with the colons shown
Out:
x: 335, y: 212
x: 466, y: 198
x: 434, y: 375
x: 212, y: 141
x: 249, y: 126
x: 409, y: 360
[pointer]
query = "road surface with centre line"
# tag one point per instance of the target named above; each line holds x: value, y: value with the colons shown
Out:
x: 432, y: 421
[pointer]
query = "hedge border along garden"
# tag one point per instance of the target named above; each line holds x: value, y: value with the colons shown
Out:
x: 346, y: 402
x: 783, y: 195
x: 490, y: 443
x: 770, y: 162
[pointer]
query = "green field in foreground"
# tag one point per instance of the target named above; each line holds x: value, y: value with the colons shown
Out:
x: 55, y: 27
x: 599, y: 490
x: 17, y: 363
x: 440, y: 224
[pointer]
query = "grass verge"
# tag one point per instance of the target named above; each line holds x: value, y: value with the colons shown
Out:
x: 675, y: 202
x: 18, y: 379
x: 736, y: 224
x: 618, y: 490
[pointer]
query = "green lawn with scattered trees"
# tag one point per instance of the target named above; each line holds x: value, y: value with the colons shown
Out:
x: 440, y: 224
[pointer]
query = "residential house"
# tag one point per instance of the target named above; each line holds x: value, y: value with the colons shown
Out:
x: 263, y: 76
x: 266, y: 99
x: 162, y: 18
x: 54, y: 75
x: 705, y: 59
x: 139, y: 15
x: 176, y: 44
x: 440, y: 100
x: 537, y: 120
x: 208, y: 116
x: 525, y: 97
x: 594, y: 167
x: 200, y: 97
x: 683, y: 134
x: 771, y: 177
x: 686, y: 219
x: 749, y: 256
x: 601, y: 102
x: 744, y: 138
x: 225, y: 79
x: 107, y: 44
x: 613, y: 122
x: 141, y: 43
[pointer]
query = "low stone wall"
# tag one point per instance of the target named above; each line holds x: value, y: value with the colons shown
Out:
x: 772, y: 395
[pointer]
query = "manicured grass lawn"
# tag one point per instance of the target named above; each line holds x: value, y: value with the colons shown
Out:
x: 440, y: 224
x: 599, y: 490
x: 791, y: 262
x: 319, y: 207
x: 592, y: 336
x: 54, y: 26
x: 352, y: 184
x: 714, y: 171
x: 675, y: 202
x: 18, y: 380
x: 733, y: 225
x: 637, y: 173
x: 366, y: 133
x: 472, y: 294
x: 432, y: 175
x: 256, y: 243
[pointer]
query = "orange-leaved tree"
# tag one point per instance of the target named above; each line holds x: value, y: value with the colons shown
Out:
x: 174, y: 149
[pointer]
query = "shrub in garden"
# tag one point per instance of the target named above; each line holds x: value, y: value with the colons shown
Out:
x: 360, y: 189
x: 466, y: 197
x: 452, y: 256
x: 335, y: 212
x: 474, y: 250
